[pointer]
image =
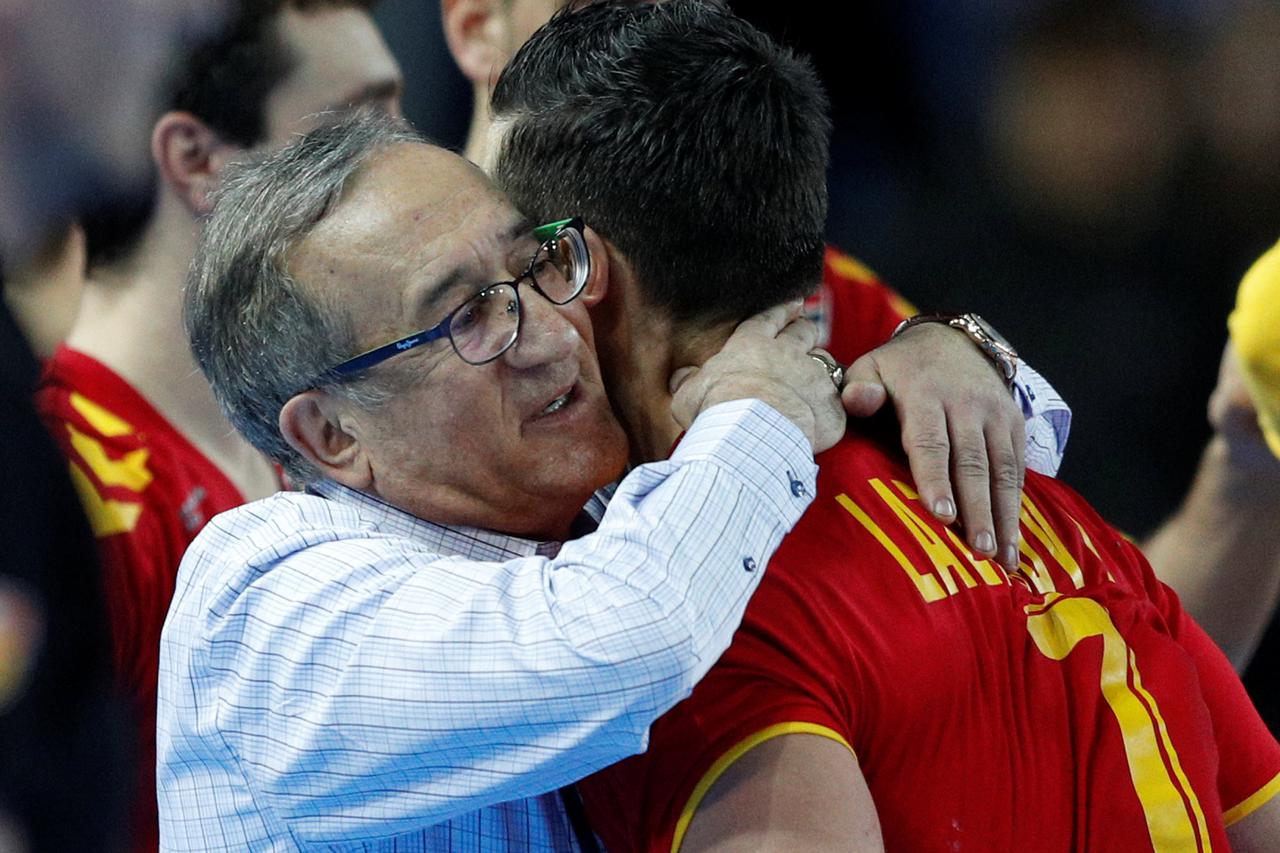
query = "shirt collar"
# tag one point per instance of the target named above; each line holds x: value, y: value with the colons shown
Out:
x: 471, y: 542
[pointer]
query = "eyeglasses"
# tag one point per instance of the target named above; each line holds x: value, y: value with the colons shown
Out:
x: 487, y: 324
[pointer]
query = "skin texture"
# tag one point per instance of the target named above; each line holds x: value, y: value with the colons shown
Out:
x: 793, y: 794
x: 1221, y: 549
x: 458, y: 443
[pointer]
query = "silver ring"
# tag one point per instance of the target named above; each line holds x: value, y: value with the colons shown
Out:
x: 833, y: 368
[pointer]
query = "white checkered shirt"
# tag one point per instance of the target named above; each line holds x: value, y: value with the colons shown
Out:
x: 336, y: 674
x: 1048, y: 420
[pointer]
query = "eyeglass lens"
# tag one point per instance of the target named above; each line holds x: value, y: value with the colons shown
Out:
x: 488, y: 323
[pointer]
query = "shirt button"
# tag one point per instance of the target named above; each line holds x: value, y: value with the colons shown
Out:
x: 797, y: 487
x: 749, y: 564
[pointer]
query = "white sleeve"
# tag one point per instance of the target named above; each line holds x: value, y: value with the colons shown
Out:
x: 1048, y: 420
x: 368, y: 690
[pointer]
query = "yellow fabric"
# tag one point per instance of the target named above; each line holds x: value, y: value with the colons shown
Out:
x: 1255, y: 333
x: 735, y: 752
x: 1253, y: 803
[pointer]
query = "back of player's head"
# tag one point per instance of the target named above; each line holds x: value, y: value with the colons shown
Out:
x: 225, y: 82
x: 686, y: 136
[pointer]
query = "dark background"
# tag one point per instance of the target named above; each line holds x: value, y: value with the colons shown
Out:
x: 1092, y: 176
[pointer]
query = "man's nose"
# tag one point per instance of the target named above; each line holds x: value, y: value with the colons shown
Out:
x: 546, y: 335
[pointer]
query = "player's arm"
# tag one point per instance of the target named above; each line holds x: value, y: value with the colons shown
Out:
x: 800, y: 792
x: 1259, y: 831
x: 1221, y: 550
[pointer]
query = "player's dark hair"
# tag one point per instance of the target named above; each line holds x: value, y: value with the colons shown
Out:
x: 684, y: 135
x: 225, y: 82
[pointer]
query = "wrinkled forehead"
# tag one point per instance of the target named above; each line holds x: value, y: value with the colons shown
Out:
x: 405, y: 218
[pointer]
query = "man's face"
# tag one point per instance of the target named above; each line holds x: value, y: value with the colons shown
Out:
x: 339, y: 61
x: 417, y: 233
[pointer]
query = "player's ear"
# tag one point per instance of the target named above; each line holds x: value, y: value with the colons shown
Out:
x: 320, y: 427
x: 189, y: 155
x: 478, y: 35
x: 598, y: 283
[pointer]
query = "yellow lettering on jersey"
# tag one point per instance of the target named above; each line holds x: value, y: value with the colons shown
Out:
x: 99, y: 418
x: 1034, y: 569
x: 129, y: 471
x: 943, y: 558
x: 106, y: 517
x: 927, y: 585
x: 1174, y: 824
x: 1036, y: 524
x: 991, y: 574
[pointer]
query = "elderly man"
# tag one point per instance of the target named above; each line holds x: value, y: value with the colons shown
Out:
x: 888, y: 688
x: 400, y: 656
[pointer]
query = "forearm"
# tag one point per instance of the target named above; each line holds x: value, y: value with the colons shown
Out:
x: 521, y: 676
x: 1221, y: 550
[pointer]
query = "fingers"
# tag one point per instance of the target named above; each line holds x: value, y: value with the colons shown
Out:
x: 1006, y: 456
x: 928, y: 448
x: 771, y: 321
x: 863, y: 393
x: 802, y: 332
x: 972, y: 482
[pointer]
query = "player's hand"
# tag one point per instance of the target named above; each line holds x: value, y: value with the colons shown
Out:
x: 1232, y: 413
x: 767, y: 358
x: 962, y: 431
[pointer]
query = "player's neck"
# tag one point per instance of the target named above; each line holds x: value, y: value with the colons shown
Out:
x: 130, y: 319
x: 478, y: 134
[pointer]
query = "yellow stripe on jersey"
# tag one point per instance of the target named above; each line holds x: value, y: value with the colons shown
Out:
x: 106, y: 517
x: 735, y: 752
x: 850, y: 267
x: 99, y: 418
x: 1254, y: 802
x: 1175, y: 820
x: 129, y: 471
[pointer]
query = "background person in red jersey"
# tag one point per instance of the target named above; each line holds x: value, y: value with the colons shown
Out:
x: 152, y: 456
x: 888, y: 687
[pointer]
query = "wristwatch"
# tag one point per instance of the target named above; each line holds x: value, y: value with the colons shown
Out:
x: 987, y: 339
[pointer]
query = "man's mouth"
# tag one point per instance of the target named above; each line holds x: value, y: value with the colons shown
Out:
x: 559, y: 403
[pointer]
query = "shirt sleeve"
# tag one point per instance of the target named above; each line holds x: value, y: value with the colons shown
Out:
x: 1048, y: 420
x: 368, y: 689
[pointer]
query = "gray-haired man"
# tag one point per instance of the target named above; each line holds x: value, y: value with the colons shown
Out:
x: 401, y: 654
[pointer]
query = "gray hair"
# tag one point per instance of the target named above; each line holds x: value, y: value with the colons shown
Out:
x: 259, y: 336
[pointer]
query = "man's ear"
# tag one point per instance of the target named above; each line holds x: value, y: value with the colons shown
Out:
x: 318, y: 426
x: 189, y: 155
x: 478, y: 37
x: 601, y: 258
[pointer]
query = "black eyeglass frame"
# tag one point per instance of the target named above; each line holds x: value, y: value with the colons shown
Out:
x: 570, y: 229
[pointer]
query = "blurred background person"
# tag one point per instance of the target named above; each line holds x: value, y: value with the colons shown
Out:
x: 75, y: 86
x: 149, y: 450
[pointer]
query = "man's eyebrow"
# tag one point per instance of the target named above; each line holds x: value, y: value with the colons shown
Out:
x: 449, y: 281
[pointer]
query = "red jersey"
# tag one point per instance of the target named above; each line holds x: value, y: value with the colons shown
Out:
x: 147, y: 491
x: 854, y: 311
x: 1071, y: 706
